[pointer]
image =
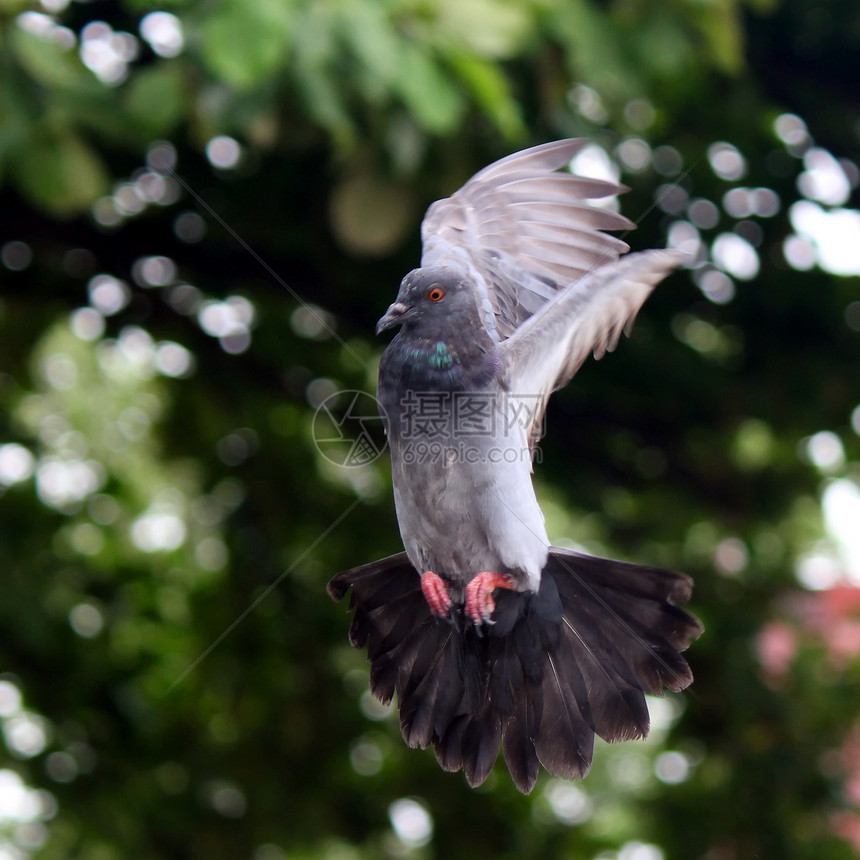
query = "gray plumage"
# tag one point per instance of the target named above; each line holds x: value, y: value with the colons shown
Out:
x: 517, y: 286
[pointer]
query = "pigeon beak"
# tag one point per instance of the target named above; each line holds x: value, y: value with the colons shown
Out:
x: 395, y: 315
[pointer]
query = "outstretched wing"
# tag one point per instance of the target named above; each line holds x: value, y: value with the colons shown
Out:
x: 588, y: 316
x: 522, y: 231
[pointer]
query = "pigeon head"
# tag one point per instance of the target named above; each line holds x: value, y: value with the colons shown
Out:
x: 432, y: 300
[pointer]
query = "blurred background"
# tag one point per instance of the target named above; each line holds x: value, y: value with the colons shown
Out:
x: 204, y: 208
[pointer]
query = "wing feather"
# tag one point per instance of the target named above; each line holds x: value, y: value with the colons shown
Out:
x: 588, y: 316
x: 499, y: 223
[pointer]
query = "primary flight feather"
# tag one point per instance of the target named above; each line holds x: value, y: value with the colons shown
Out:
x: 487, y: 634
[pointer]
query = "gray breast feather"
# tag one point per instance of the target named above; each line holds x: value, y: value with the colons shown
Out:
x: 465, y: 501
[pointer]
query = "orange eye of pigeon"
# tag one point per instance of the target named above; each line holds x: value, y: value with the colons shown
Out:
x: 436, y: 294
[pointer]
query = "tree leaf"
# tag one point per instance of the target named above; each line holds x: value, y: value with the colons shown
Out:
x: 47, y: 63
x: 155, y: 98
x: 489, y: 87
x: 720, y: 27
x: 315, y: 51
x: 369, y: 33
x: 594, y: 53
x: 488, y: 28
x: 59, y: 172
x: 428, y: 92
x: 245, y: 43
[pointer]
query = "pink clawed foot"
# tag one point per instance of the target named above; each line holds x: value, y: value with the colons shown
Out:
x: 436, y: 593
x: 479, y: 595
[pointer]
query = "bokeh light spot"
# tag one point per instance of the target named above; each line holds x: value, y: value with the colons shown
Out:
x: 60, y: 371
x: 716, y: 285
x: 734, y: 255
x: 824, y: 179
x: 671, y: 198
x: 163, y: 31
x: 366, y: 757
x: 703, y: 213
x: 105, y: 212
x: 411, y: 822
x: 835, y: 235
x: 211, y: 554
x: 223, y: 152
x: 790, y: 129
x: 667, y: 160
x: 16, y: 255
x: 799, y: 252
x: 26, y: 734
x: 640, y: 851
x: 226, y: 798
x: 587, y: 101
x: 726, y: 160
x: 61, y: 483
x: 156, y: 271
x: 189, y: 227
x: 766, y: 202
x: 16, y: 463
x: 173, y: 359
x: 87, y: 324
x: 731, y: 556
x: 87, y: 539
x: 185, y: 299
x: 107, y: 294
x: 18, y: 802
x: 634, y: 153
x: 372, y: 708
x: 672, y: 767
x: 10, y: 699
x: 103, y: 509
x: 61, y: 767
x: 157, y: 531
x: 161, y: 156
x: 818, y: 571
x: 824, y: 450
x: 86, y: 620
x: 106, y: 52
x: 640, y: 113
x: 569, y: 803
x: 840, y: 503
x: 594, y: 162
x: 312, y: 322
x: 684, y: 236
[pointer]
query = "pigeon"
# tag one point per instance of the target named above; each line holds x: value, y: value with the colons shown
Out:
x: 489, y: 637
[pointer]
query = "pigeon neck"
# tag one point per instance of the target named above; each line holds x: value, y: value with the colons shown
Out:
x: 434, y: 363
x: 436, y: 355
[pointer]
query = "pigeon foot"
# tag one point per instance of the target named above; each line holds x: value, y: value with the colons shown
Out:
x: 479, y: 595
x: 436, y: 593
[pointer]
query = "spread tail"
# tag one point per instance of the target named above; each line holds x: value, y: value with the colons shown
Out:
x: 554, y: 668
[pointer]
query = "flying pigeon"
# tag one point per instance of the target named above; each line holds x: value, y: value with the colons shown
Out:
x: 489, y: 636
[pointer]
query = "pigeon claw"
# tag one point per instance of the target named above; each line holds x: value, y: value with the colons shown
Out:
x: 436, y: 593
x: 479, y: 596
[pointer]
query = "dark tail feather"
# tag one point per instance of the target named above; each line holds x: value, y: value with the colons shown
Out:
x: 521, y: 730
x: 482, y: 741
x: 630, y: 606
x: 426, y: 709
x: 565, y: 742
x: 555, y: 668
x: 449, y: 746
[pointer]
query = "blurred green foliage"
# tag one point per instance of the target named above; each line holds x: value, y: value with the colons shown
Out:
x: 204, y: 209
